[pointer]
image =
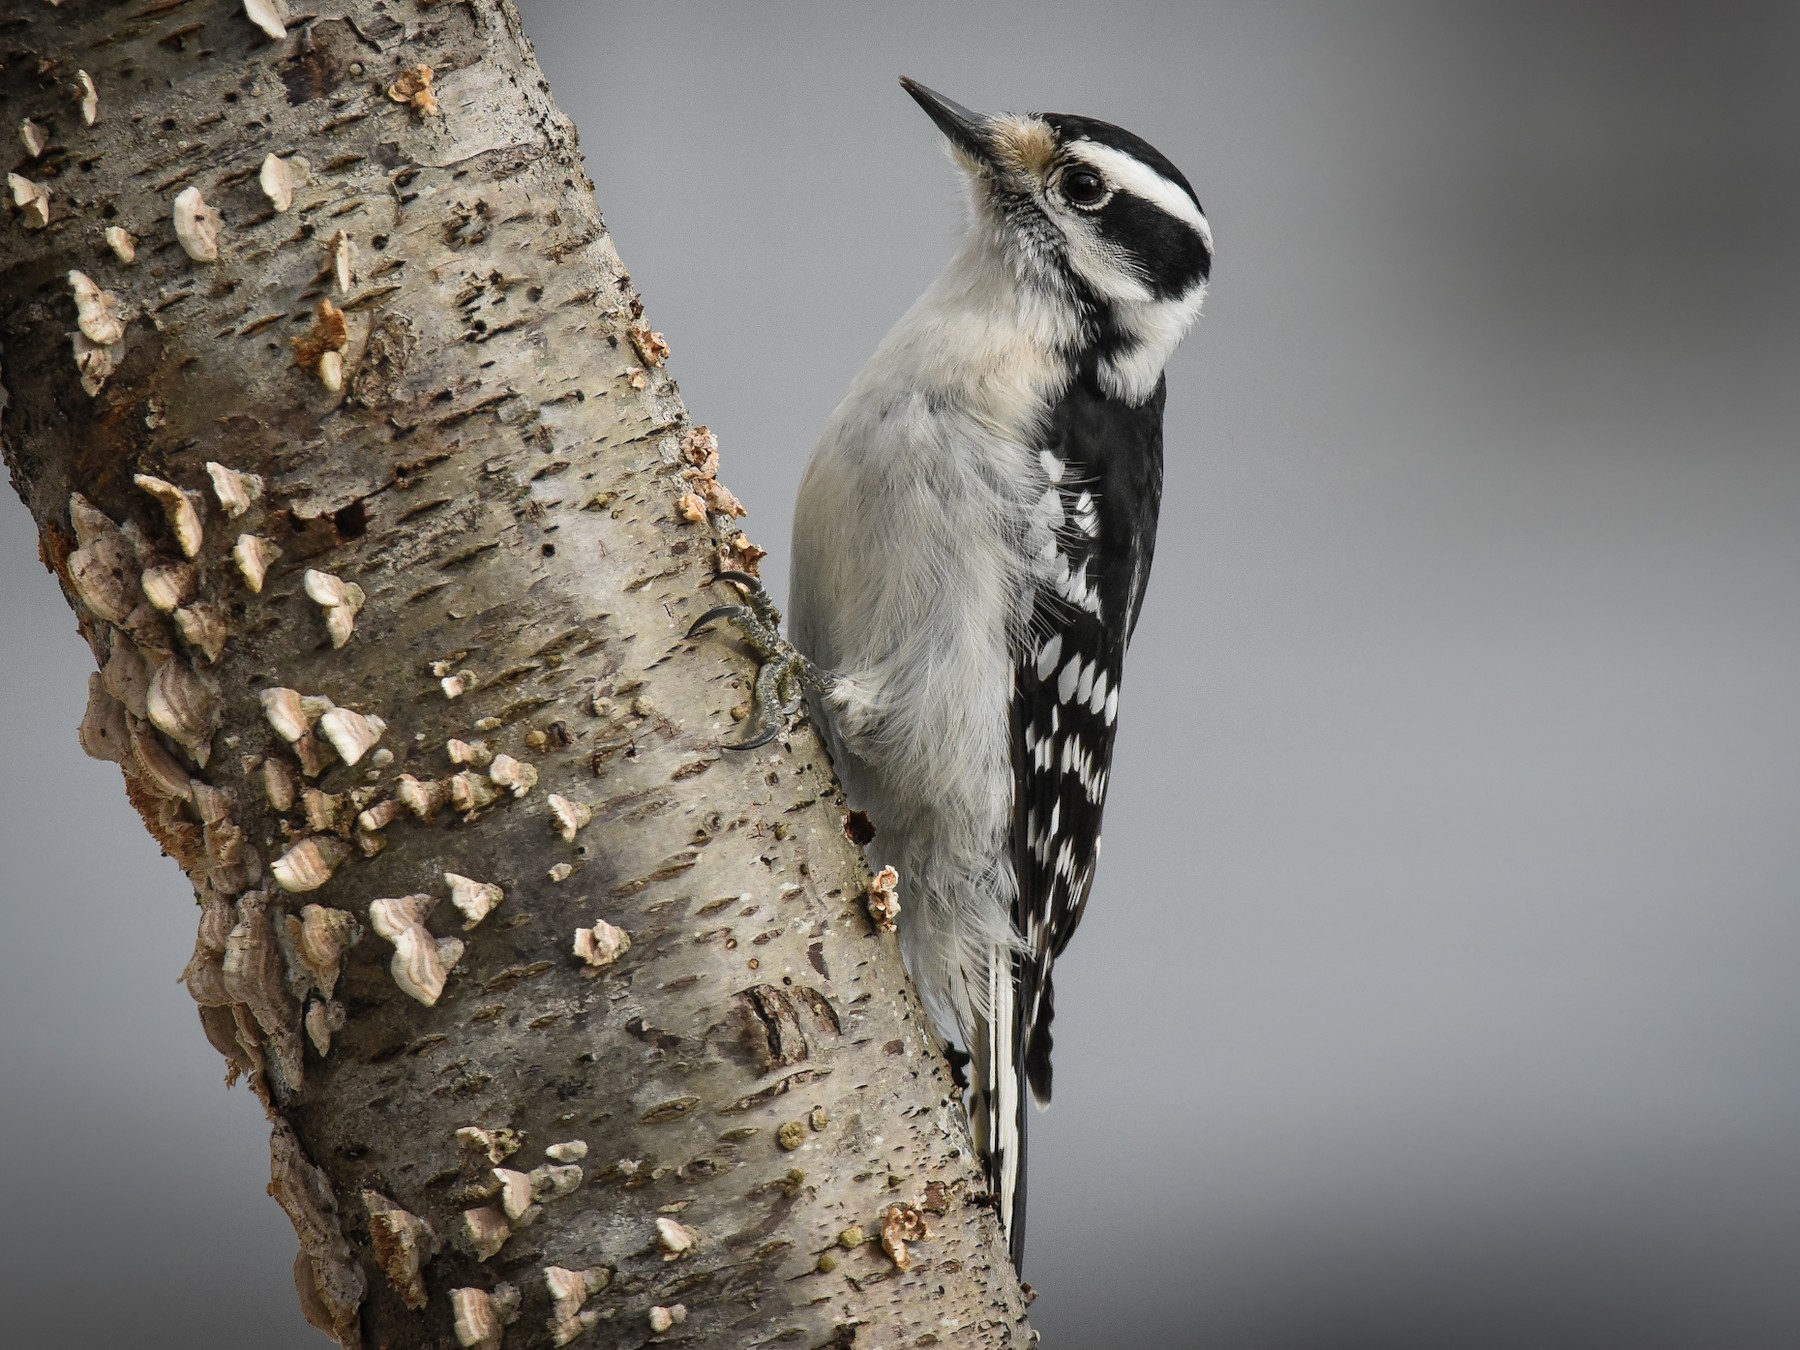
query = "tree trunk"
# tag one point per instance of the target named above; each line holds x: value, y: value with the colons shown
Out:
x: 437, y: 649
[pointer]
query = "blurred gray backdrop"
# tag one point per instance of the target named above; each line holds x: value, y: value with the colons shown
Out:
x: 1438, y: 988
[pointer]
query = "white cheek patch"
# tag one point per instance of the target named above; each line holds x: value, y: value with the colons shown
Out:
x: 1134, y: 176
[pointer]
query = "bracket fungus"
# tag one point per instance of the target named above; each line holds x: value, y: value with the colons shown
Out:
x: 487, y: 1231
x: 343, y: 253
x: 476, y: 1320
x: 178, y: 507
x: 403, y: 1243
x: 122, y: 242
x: 292, y: 713
x: 569, y: 1289
x: 320, y: 937
x: 413, y: 88
x: 601, y: 945
x: 901, y: 1224
x: 421, y: 963
x: 32, y: 199
x: 884, y: 900
x: 341, y: 600
x: 101, y: 573
x: 268, y: 15
x: 281, y: 178
x: 36, y: 138
x: 184, y: 706
x: 516, y: 1196
x: 202, y: 626
x: 509, y: 773
x: 675, y: 1238
x: 571, y: 1150
x: 476, y: 899
x: 309, y: 864
x: 352, y: 734
x: 96, y: 310
x: 497, y: 1144
x: 88, y: 96
x: 471, y: 792
x: 321, y: 348
x: 253, y: 555
x: 424, y: 798
x: 197, y: 225
x: 652, y: 348
x: 169, y: 586
x: 570, y: 816
x: 662, y: 1319
x: 236, y: 491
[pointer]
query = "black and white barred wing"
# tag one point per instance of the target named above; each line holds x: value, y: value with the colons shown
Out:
x: 1105, y: 462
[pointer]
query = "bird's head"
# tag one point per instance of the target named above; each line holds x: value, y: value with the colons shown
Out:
x: 1086, y: 205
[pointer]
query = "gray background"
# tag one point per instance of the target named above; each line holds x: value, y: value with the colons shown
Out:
x: 1438, y: 986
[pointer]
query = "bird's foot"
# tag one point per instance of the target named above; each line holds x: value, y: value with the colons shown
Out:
x: 783, y: 674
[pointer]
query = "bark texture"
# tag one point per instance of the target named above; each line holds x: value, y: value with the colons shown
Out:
x: 383, y: 517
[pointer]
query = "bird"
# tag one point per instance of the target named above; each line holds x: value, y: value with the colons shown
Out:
x: 971, y: 544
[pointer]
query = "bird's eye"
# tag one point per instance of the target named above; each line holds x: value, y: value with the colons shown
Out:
x: 1083, y: 187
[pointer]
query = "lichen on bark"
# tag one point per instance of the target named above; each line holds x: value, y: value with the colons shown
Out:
x: 385, y: 525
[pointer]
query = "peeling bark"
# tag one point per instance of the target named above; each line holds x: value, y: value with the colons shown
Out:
x: 380, y: 510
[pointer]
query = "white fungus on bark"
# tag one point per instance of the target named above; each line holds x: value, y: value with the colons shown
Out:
x: 421, y: 963
x: 268, y: 15
x: 253, y: 554
x: 96, y: 310
x: 509, y: 773
x: 32, y: 199
x: 309, y: 864
x: 487, y: 1230
x: 123, y: 243
x: 352, y: 734
x: 178, y: 507
x: 340, y: 600
x: 88, y: 96
x: 477, y: 1323
x: 236, y: 491
x: 516, y: 1196
x: 569, y: 815
x: 184, y: 706
x: 342, y: 261
x: 169, y: 586
x: 197, y: 225
x: 476, y: 899
x: 34, y: 136
x: 281, y: 178
x: 601, y: 945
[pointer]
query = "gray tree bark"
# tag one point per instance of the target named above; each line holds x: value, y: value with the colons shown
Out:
x: 383, y: 517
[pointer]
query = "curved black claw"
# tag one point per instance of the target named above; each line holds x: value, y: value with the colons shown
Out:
x: 782, y: 672
x: 713, y: 615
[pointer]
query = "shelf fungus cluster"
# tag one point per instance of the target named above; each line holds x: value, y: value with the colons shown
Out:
x: 100, y: 329
x: 321, y: 348
x: 884, y: 900
x: 569, y: 1290
x: 598, y: 947
x: 515, y: 1199
x: 340, y: 600
x: 403, y: 1243
x: 421, y: 963
x: 481, y: 1318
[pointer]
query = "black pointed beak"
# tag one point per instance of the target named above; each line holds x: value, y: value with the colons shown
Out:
x: 967, y: 130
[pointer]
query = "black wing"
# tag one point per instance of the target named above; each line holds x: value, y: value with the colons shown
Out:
x: 1108, y: 455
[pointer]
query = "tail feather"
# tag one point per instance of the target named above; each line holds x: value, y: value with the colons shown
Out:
x: 997, y: 1104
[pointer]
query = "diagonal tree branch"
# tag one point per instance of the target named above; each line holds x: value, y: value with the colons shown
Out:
x: 347, y: 438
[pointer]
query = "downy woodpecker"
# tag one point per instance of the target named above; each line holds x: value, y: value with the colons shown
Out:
x: 971, y: 544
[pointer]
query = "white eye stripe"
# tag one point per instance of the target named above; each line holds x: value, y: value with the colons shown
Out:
x: 1132, y: 175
